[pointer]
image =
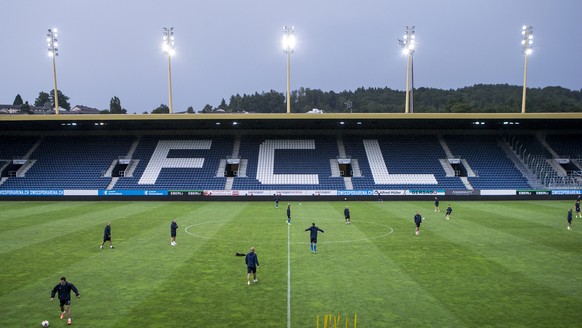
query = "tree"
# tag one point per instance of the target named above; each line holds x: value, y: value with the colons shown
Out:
x: 43, y: 100
x: 25, y: 108
x: 162, y: 109
x: 207, y: 109
x: 223, y: 105
x: 115, y: 106
x: 190, y: 110
x: 18, y: 100
x: 63, y: 100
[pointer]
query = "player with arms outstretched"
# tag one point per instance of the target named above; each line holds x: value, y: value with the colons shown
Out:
x: 313, y: 237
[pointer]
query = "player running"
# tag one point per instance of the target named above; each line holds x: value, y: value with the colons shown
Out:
x: 64, y: 289
x: 577, y: 206
x: 569, y: 219
x: 107, y: 236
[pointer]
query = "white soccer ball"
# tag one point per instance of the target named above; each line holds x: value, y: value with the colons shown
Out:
x: 299, y: 204
x: 423, y: 218
x: 45, y: 323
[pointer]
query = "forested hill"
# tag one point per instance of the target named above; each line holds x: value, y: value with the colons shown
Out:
x: 500, y: 98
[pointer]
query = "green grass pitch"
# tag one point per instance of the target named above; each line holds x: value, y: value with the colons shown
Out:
x: 494, y: 264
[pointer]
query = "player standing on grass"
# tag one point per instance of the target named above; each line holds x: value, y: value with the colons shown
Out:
x: 436, y: 205
x: 173, y: 228
x: 107, y: 236
x: 448, y: 213
x: 347, y: 215
x: 570, y: 219
x: 276, y: 201
x: 417, y: 222
x: 252, y: 262
x: 64, y: 289
x: 313, y: 237
x: 577, y: 206
x: 288, y: 213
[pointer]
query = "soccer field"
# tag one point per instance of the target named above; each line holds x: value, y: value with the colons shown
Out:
x: 494, y: 264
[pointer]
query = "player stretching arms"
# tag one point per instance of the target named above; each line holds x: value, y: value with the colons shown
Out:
x: 313, y: 237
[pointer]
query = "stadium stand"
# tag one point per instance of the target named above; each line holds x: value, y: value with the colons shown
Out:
x: 166, y: 162
x: 70, y: 162
x: 493, y: 168
x: 288, y: 162
x: 400, y: 162
x: 283, y: 162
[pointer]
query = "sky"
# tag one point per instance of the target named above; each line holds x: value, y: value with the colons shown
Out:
x: 112, y: 48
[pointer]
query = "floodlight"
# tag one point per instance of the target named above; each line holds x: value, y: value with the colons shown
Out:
x: 527, y: 49
x: 168, y: 48
x: 288, y: 43
x: 408, y: 45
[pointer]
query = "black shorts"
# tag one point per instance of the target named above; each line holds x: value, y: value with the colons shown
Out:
x: 173, y: 235
x: 314, y: 240
x: 65, y: 302
x: 251, y: 269
x: 417, y: 224
x: 347, y: 217
x: 106, y: 238
x: 569, y: 220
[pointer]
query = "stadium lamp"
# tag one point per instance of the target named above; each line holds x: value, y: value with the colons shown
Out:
x: 408, y: 44
x: 168, y: 48
x: 288, y: 48
x: 53, y: 52
x: 526, y: 46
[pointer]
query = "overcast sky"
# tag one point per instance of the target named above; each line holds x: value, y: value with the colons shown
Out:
x: 223, y: 47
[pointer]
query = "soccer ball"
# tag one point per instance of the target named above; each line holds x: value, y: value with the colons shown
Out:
x: 299, y: 204
x: 44, y: 323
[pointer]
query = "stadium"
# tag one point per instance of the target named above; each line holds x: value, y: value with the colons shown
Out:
x: 504, y: 259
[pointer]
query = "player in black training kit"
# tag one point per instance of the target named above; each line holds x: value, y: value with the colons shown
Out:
x: 313, y: 237
x: 347, y: 215
x: 288, y: 213
x: 173, y: 228
x: 577, y: 206
x: 448, y: 213
x: 436, y: 205
x: 570, y: 219
x: 107, y: 236
x: 252, y: 262
x: 276, y: 201
x: 64, y: 289
x: 417, y: 222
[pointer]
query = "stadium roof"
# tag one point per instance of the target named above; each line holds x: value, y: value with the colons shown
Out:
x: 317, y: 122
